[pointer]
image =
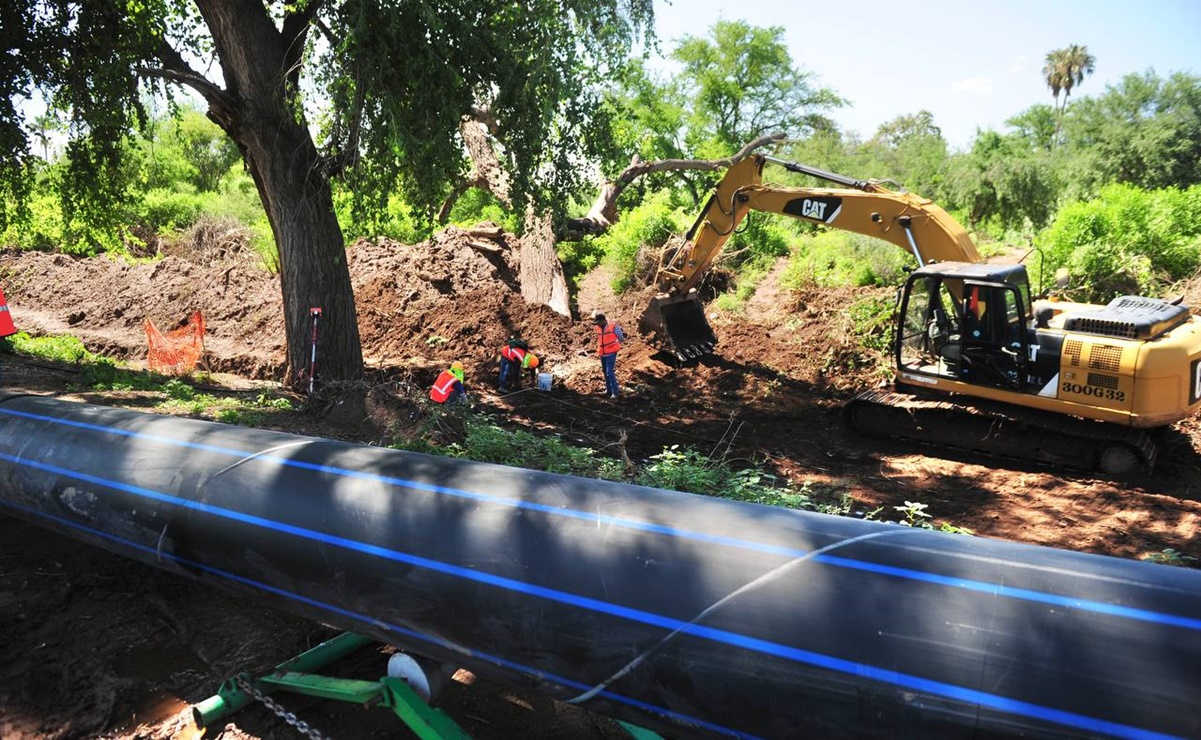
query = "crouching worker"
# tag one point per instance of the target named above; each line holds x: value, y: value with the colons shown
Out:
x: 448, y: 388
x: 513, y: 359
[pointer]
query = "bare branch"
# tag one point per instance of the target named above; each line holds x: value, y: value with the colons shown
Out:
x: 222, y: 106
x: 603, y: 213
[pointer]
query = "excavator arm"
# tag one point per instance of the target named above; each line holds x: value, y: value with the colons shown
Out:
x: 914, y: 223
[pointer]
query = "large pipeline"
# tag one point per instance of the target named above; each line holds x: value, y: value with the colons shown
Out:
x: 685, y: 614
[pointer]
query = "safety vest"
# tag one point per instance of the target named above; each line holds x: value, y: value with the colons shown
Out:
x: 6, y: 319
x: 512, y: 354
x: 443, y: 386
x: 607, y: 341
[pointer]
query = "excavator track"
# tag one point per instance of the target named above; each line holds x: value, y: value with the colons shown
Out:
x: 1004, y: 431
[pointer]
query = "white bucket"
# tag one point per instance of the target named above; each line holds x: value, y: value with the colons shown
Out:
x: 544, y: 381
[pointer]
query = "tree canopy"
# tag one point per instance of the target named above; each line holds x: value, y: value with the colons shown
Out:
x: 386, y: 84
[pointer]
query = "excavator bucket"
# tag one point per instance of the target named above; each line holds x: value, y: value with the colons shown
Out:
x: 679, y: 325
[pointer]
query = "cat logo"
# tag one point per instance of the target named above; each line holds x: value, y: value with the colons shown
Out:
x: 823, y: 210
x: 1194, y: 393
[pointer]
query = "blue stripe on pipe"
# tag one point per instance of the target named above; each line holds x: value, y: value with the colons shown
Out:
x: 917, y: 683
x: 374, y: 622
x: 1066, y: 602
x: 1113, y: 610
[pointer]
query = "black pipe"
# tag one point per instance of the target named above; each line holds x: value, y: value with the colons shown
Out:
x: 686, y: 614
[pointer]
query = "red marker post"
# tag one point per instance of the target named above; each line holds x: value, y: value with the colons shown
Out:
x: 315, y: 316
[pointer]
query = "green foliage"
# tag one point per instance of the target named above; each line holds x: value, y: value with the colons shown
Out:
x: 873, y: 321
x: 477, y: 205
x: 911, y: 151
x: 539, y: 66
x: 685, y: 469
x: 166, y: 193
x: 61, y: 348
x: 1002, y: 181
x: 96, y: 372
x: 486, y: 442
x: 178, y: 390
x: 165, y: 211
x: 1144, y: 130
x: 393, y: 218
x: 1126, y: 241
x: 1036, y: 127
x: 1171, y: 556
x: 208, y: 152
x: 832, y: 258
x: 760, y: 239
x: 914, y: 514
x: 650, y: 224
x: 741, y: 84
x: 42, y: 226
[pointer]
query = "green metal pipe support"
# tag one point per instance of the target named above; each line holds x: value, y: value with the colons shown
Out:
x: 230, y: 697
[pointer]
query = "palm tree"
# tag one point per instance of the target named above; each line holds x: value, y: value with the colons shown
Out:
x: 44, y: 129
x: 1064, y: 69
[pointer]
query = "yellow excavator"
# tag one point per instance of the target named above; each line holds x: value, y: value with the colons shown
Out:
x: 980, y: 364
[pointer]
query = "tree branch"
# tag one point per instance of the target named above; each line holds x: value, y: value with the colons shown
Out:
x: 603, y: 213
x: 222, y: 106
x: 176, y: 69
x: 295, y: 32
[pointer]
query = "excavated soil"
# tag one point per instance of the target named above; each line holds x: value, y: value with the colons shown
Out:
x: 92, y: 645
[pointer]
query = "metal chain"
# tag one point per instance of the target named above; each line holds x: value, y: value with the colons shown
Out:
x: 303, y: 727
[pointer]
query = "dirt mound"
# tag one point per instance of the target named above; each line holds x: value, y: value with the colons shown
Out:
x: 104, y: 303
x: 419, y: 305
x: 443, y: 300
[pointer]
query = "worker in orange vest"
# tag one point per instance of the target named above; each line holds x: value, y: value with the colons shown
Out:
x: 448, y: 388
x: 609, y: 337
x: 513, y: 357
x: 6, y: 320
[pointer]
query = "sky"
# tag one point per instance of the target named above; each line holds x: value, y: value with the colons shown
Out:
x: 971, y: 63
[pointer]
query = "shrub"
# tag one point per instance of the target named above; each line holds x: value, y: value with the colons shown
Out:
x: 1126, y: 241
x: 165, y: 210
x: 836, y: 258
x: 651, y: 224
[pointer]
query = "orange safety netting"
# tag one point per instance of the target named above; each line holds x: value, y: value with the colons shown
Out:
x: 178, y: 350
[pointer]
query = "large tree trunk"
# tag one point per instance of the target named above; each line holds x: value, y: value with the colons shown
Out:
x: 259, y: 63
x: 541, y: 273
x: 312, y: 253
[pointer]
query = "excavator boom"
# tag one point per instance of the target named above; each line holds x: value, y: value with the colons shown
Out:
x: 676, y: 317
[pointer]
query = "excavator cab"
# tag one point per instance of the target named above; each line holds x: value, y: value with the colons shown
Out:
x: 967, y: 322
